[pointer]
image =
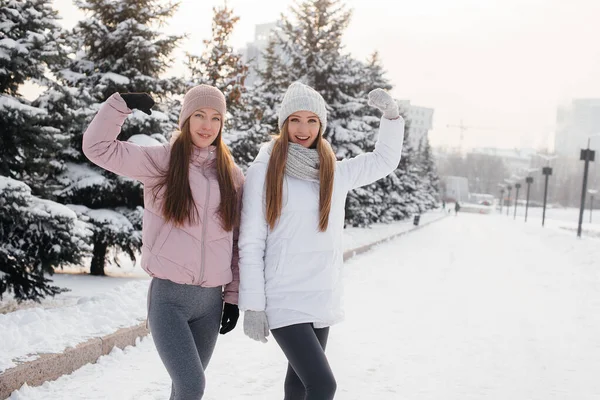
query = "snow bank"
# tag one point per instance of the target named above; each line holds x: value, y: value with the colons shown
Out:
x: 28, y: 332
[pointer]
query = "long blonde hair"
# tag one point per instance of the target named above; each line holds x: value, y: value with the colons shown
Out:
x: 276, y: 170
x: 179, y: 206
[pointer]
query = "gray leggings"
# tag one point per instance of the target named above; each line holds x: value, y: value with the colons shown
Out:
x: 184, y: 322
x: 309, y: 376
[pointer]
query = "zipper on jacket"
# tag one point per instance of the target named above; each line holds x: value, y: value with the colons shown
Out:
x: 204, y: 222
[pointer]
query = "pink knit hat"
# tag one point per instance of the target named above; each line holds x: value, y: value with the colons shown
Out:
x: 199, y: 97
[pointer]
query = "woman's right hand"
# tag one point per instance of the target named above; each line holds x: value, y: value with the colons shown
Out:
x: 142, y: 101
x: 383, y: 101
x: 256, y: 325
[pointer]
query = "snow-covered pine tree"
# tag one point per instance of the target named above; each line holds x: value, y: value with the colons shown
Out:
x: 402, y: 190
x: 311, y: 44
x: 119, y: 49
x: 219, y: 65
x: 257, y: 121
x: 430, y: 181
x: 375, y: 74
x: 30, y: 41
x: 307, y: 47
x: 273, y: 80
x: 36, y: 236
x: 249, y: 130
x: 365, y: 205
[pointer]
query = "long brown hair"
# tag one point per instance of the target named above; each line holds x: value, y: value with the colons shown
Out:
x: 178, y: 205
x: 276, y: 170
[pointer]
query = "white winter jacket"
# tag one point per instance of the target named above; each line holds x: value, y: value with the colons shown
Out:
x: 294, y: 272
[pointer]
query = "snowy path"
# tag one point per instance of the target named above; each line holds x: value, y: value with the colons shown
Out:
x: 473, y: 307
x: 98, y: 306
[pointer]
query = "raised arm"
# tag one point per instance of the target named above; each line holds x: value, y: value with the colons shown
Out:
x: 369, y: 167
x: 100, y: 144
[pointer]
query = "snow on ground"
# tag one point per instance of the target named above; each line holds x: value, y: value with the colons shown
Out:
x: 27, y: 332
x: 560, y: 218
x: 77, y: 279
x: 472, y: 307
x: 357, y: 237
x: 97, y: 306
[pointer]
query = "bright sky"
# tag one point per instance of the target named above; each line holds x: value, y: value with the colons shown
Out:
x: 502, y: 65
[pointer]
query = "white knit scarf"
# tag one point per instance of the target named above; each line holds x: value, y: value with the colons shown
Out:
x: 302, y: 163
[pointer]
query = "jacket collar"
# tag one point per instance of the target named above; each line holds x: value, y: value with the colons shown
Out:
x: 264, y: 154
x: 200, y: 156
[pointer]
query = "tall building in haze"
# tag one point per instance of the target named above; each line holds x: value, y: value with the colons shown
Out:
x: 419, y: 121
x: 253, y: 51
x: 574, y: 123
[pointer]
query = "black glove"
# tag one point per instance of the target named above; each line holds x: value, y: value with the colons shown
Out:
x: 231, y: 313
x: 141, y: 101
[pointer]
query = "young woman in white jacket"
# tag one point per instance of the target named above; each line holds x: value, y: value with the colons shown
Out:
x: 290, y: 245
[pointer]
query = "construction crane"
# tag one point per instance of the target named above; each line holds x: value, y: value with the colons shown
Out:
x: 462, y: 127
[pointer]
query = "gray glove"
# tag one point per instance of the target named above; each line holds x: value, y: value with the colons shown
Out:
x: 256, y: 325
x: 381, y: 99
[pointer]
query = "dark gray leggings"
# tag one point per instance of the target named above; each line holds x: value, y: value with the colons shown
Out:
x: 309, y: 376
x: 184, y: 321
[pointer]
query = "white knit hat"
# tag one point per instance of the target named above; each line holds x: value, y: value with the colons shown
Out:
x: 300, y: 97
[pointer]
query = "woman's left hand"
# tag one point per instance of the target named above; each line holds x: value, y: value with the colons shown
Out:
x: 231, y: 313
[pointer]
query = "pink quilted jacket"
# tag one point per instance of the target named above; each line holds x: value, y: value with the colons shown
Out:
x: 200, y: 254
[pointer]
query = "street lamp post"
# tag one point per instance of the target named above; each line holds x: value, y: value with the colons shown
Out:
x: 529, y: 181
x: 592, y: 193
x: 547, y: 171
x: 588, y: 156
x: 517, y: 186
x: 509, y: 188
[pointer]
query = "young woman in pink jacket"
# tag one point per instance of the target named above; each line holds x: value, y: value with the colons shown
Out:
x: 192, y: 195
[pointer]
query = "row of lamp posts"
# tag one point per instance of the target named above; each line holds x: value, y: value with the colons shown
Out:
x: 546, y: 171
x: 586, y: 155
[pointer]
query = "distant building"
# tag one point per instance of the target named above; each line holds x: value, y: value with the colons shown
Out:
x: 515, y: 160
x: 253, y: 51
x: 574, y: 123
x: 419, y: 121
x: 455, y: 188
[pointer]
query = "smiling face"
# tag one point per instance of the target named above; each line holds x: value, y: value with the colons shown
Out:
x: 303, y: 128
x: 205, y: 125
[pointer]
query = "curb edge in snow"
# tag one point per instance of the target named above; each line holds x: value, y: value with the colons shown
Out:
x: 49, y: 367
x: 348, y: 254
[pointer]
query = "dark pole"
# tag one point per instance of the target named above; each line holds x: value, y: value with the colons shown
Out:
x: 587, y: 155
x: 518, y: 186
x: 529, y: 181
x: 591, y: 207
x: 547, y: 171
x: 508, y: 205
x: 501, y: 199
